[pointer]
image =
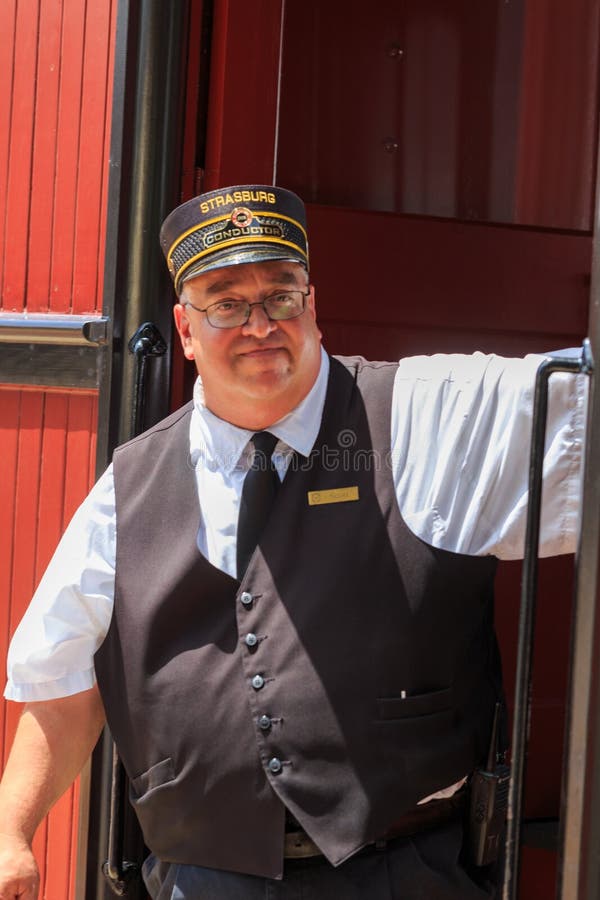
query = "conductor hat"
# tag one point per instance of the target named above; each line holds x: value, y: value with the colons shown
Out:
x: 246, y: 223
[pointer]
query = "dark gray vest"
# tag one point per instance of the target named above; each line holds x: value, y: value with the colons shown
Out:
x: 373, y: 678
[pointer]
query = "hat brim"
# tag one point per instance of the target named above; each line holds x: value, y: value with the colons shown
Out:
x: 238, y: 257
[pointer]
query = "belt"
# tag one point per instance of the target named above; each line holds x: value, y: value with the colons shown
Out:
x: 298, y: 845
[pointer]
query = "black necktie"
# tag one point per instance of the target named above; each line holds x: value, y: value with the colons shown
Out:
x: 258, y: 494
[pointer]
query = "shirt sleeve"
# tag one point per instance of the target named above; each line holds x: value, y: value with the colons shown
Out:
x: 461, y: 435
x: 52, y: 652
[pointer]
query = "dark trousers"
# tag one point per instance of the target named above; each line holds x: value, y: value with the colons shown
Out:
x: 424, y: 867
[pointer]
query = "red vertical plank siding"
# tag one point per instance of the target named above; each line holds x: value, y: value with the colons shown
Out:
x: 44, y: 154
x: 27, y: 500
x: 106, y: 152
x: 8, y: 15
x: 47, y: 442
x: 51, y: 467
x: 59, y: 848
x: 9, y: 417
x: 67, y: 154
x: 55, y: 78
x: 89, y: 187
x: 80, y: 448
x: 55, y: 96
x: 20, y: 152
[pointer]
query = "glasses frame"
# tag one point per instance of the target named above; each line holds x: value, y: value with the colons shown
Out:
x: 262, y: 302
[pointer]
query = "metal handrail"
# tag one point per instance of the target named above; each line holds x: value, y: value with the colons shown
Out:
x: 122, y: 875
x: 46, y: 328
x: 582, y: 363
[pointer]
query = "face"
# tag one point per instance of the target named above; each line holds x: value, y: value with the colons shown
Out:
x: 258, y: 372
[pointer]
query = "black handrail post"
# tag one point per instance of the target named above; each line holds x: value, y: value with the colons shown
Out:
x: 144, y: 184
x: 121, y: 874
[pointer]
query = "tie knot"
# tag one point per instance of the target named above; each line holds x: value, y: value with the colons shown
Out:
x: 264, y: 444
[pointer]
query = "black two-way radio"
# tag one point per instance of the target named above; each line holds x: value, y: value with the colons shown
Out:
x: 489, y: 801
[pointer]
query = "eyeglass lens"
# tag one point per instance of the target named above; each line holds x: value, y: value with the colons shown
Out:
x: 278, y: 307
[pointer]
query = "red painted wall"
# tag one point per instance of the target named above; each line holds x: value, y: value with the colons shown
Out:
x: 56, y: 75
x: 54, y: 126
x: 47, y: 445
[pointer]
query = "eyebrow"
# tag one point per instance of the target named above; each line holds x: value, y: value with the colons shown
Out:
x: 285, y: 278
x: 219, y: 286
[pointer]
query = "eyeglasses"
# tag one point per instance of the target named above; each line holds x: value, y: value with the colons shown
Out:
x: 229, y: 313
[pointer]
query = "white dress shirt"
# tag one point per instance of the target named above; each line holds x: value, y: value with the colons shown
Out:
x: 460, y: 444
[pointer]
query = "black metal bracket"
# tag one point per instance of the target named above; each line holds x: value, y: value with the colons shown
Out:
x: 121, y: 880
x: 146, y: 341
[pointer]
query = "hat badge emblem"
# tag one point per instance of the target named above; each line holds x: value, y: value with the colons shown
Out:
x: 241, y: 216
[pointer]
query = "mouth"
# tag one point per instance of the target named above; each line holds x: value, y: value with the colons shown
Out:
x: 260, y: 352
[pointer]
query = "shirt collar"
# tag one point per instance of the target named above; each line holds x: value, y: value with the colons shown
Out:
x: 219, y: 444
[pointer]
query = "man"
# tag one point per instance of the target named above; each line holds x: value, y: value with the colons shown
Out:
x: 297, y: 718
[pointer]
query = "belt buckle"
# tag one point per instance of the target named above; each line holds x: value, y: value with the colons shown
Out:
x: 298, y: 845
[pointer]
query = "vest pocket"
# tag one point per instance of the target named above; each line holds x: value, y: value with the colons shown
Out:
x: 389, y: 708
x: 160, y: 773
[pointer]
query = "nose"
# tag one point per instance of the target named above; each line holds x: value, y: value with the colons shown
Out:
x: 258, y: 325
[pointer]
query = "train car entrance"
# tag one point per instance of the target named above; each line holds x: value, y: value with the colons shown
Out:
x: 447, y: 157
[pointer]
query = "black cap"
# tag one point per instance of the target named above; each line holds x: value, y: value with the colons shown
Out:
x: 241, y: 224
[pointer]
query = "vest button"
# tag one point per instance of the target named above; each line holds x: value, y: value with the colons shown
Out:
x: 275, y: 765
x: 264, y: 723
x: 257, y: 682
x: 251, y: 640
x: 246, y: 598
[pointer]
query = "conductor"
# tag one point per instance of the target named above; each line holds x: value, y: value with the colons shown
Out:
x: 281, y: 596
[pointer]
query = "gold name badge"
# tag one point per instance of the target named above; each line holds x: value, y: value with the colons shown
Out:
x: 337, y: 495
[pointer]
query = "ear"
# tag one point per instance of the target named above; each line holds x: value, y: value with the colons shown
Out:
x: 182, y: 324
x: 311, y: 306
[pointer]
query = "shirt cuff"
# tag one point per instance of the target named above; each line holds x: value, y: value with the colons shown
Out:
x: 73, y: 683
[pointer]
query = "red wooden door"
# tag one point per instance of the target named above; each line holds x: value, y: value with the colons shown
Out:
x: 56, y: 73
x: 446, y: 151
